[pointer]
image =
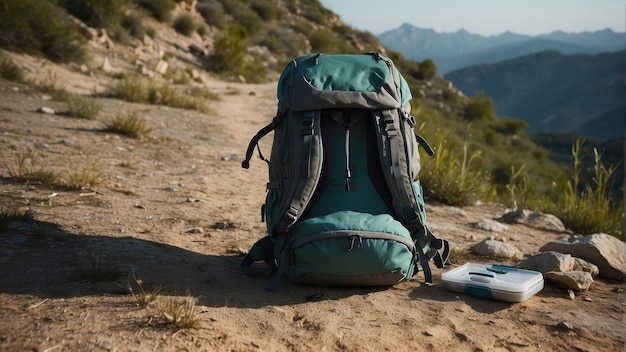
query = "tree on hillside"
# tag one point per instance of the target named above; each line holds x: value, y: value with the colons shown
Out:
x: 479, y: 108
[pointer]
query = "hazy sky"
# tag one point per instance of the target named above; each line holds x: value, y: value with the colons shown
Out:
x: 486, y: 17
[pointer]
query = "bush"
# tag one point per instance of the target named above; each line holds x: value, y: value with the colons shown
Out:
x: 587, y: 208
x: 229, y: 50
x: 479, y: 108
x: 9, y: 70
x: 511, y: 126
x: 184, y: 24
x: 96, y: 13
x: 159, y: 9
x: 213, y: 14
x: 266, y: 10
x: 454, y: 179
x: 39, y: 26
x: 133, y: 25
x: 427, y: 69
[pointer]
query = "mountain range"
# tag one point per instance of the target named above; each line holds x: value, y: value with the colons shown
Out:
x: 580, y: 93
x: 455, y: 50
x: 558, y: 82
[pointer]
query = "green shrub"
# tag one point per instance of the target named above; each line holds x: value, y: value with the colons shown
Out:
x: 244, y: 16
x: 229, y: 50
x: 452, y: 178
x: 587, y: 208
x: 479, y: 108
x: 96, y: 13
x: 213, y: 14
x: 39, y: 26
x: 134, y: 25
x: 159, y: 9
x: 201, y: 30
x: 130, y: 88
x: 427, y: 69
x: 266, y: 10
x: 511, y: 126
x: 184, y: 24
x: 9, y: 70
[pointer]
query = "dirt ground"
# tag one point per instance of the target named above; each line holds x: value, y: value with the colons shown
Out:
x: 157, y: 215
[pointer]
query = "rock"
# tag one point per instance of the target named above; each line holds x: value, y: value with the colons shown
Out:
x: 583, y: 265
x: 489, y: 225
x: 534, y: 219
x: 106, y: 66
x: 29, y: 68
x: 220, y: 225
x: 492, y: 248
x: 161, y: 67
x: 565, y: 325
x: 575, y: 280
x: 548, y: 261
x: 198, y: 50
x: 195, y: 230
x: 46, y: 110
x: 605, y: 251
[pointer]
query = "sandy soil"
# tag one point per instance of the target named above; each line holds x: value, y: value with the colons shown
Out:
x: 154, y: 215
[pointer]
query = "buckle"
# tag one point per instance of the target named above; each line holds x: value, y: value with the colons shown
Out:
x: 291, y: 215
x: 307, y: 125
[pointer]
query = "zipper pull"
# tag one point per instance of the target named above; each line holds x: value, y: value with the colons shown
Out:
x: 353, y: 239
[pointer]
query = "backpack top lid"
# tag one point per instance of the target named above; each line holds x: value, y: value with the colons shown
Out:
x: 318, y: 81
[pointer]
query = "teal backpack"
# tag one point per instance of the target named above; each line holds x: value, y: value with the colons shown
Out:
x: 343, y: 206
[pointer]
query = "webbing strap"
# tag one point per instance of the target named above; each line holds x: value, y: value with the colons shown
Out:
x: 261, y: 251
x: 255, y: 141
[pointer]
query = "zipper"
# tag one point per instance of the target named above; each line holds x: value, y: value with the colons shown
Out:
x: 352, y: 237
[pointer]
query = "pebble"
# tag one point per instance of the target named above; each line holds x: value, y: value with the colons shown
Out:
x: 565, y: 325
x: 46, y: 110
x: 220, y: 225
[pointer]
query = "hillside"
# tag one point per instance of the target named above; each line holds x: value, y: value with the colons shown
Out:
x: 554, y: 91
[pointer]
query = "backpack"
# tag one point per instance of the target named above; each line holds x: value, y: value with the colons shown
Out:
x: 343, y: 205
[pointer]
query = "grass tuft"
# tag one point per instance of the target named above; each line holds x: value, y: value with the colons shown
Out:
x: 82, y: 107
x: 9, y: 70
x: 141, y: 296
x: 181, y: 313
x: 95, y: 267
x: 587, y: 209
x: 454, y: 179
x: 129, y: 124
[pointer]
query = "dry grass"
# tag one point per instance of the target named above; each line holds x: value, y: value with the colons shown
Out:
x: 141, y: 296
x: 129, y: 124
x: 94, y: 267
x: 181, y: 313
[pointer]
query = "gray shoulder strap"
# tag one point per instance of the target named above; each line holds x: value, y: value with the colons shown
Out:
x: 393, y: 156
x: 305, y: 165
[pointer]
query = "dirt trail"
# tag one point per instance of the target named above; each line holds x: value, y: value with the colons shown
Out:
x: 154, y: 215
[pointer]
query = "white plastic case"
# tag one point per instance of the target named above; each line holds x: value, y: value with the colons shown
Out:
x: 495, y: 281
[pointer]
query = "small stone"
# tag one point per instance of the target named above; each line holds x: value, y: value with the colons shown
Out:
x: 571, y: 294
x: 195, y: 230
x: 565, y: 325
x: 46, y: 110
x: 220, y: 225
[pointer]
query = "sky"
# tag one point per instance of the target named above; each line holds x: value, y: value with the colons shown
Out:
x: 485, y: 17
